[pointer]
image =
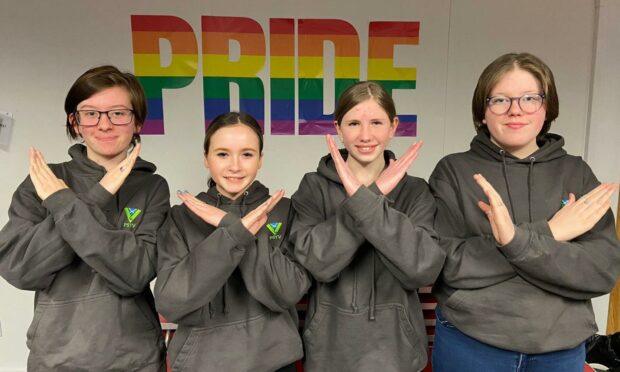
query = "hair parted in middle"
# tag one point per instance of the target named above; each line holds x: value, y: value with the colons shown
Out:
x: 360, y: 92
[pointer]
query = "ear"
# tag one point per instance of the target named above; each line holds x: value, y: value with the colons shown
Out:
x: 205, y: 161
x: 138, y: 128
x: 484, y: 121
x: 393, y: 126
x: 338, y: 131
x: 260, y: 161
x: 74, y: 124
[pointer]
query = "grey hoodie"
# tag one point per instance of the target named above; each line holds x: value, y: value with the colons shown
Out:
x: 90, y: 256
x: 369, y: 253
x: 231, y: 293
x: 532, y: 295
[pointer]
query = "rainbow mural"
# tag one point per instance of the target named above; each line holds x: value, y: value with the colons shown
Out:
x: 312, y: 35
x: 382, y: 37
x: 146, y: 32
x: 221, y: 70
x: 282, y: 77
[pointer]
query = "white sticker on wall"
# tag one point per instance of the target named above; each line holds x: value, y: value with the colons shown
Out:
x: 6, y: 126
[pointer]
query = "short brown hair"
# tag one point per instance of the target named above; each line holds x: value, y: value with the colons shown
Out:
x: 100, y: 78
x: 504, y: 64
x: 360, y: 92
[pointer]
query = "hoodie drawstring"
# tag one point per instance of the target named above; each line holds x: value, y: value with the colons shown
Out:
x: 372, y: 304
x: 354, y: 295
x: 530, y: 183
x: 512, y: 212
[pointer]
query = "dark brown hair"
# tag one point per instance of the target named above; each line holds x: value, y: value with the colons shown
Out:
x: 98, y: 79
x: 494, y: 72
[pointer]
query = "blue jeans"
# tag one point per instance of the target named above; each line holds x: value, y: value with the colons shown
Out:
x: 454, y: 351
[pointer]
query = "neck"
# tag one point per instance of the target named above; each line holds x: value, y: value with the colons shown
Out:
x: 107, y: 163
x: 366, y: 173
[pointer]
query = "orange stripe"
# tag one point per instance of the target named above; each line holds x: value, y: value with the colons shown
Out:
x: 345, y: 46
x: 282, y: 45
x: 383, y: 47
x: 251, y: 44
x: 147, y: 42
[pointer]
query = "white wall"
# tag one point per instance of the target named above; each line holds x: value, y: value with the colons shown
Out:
x: 44, y: 46
x: 604, y: 124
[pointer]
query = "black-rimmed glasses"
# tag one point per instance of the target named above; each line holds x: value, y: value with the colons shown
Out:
x: 90, y: 118
x: 529, y: 103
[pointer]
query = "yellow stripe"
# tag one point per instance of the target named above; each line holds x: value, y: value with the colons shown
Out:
x: 181, y: 65
x: 218, y: 65
x: 345, y: 67
x: 383, y: 69
x: 282, y: 67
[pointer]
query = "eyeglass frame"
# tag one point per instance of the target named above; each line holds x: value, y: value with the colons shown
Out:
x: 518, y: 99
x: 107, y: 113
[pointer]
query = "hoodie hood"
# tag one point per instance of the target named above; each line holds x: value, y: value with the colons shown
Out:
x: 327, y: 167
x: 255, y: 194
x: 549, y: 148
x: 83, y: 164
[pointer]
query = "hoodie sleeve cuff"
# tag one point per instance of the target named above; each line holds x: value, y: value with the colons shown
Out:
x: 99, y: 195
x: 235, y: 229
x: 59, y: 200
x: 362, y: 204
x: 517, y: 248
x: 374, y: 188
x: 541, y: 228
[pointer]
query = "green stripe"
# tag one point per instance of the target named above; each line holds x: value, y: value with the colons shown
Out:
x: 282, y: 88
x: 397, y: 84
x: 313, y: 88
x: 218, y: 87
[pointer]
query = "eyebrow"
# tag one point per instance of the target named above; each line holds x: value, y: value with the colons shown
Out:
x: 228, y: 150
x: 92, y: 107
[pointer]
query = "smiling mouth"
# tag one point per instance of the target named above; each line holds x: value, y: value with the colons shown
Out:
x: 366, y: 149
x: 516, y: 125
x: 234, y: 179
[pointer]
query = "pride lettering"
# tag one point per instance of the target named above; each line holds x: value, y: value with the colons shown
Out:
x: 219, y: 70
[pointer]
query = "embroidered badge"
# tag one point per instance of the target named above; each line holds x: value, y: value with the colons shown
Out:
x: 274, y: 228
x: 131, y: 214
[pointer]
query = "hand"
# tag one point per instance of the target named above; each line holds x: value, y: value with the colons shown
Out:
x: 257, y: 218
x: 115, y: 176
x: 501, y: 223
x: 44, y: 180
x: 389, y: 178
x: 578, y: 217
x: 210, y: 214
x: 349, y: 181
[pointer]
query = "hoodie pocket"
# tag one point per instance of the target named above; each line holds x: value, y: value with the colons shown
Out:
x: 79, y: 332
x: 261, y: 343
x: 340, y: 340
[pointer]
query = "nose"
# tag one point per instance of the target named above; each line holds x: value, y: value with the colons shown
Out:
x: 365, y: 132
x: 235, y: 163
x: 515, y: 108
x: 104, y: 122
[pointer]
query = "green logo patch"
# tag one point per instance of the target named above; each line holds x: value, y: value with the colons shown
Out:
x: 274, y: 228
x: 132, y: 214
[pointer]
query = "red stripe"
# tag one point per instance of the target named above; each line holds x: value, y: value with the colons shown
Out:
x: 407, y: 29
